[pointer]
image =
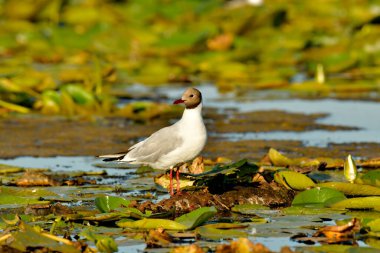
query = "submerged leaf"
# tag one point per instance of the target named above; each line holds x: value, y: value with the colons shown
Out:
x: 211, y: 233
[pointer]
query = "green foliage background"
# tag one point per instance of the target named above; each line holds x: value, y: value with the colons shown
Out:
x: 66, y: 56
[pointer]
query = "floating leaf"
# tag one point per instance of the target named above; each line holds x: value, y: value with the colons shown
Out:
x: 79, y: 94
x: 102, y: 242
x: 28, y: 237
x: 358, y: 203
x: 374, y: 225
x: 197, y: 217
x: 107, y: 203
x: 279, y: 159
x: 353, y: 189
x: 14, y: 107
x: 371, y: 177
x: 147, y: 223
x: 293, y: 180
x: 5, y: 169
x: 318, y: 195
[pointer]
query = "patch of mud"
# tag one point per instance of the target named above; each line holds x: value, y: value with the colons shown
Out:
x: 256, y: 149
x: 274, y: 120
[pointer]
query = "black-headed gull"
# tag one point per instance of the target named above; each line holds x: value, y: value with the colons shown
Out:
x: 171, y: 145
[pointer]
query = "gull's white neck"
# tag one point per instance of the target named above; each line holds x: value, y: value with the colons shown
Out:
x: 191, y: 116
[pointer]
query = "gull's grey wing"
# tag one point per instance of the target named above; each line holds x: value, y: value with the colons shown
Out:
x: 158, y: 144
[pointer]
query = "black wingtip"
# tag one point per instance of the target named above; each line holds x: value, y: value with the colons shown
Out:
x: 113, y: 158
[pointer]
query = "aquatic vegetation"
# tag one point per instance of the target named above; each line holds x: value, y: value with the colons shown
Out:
x: 249, y: 202
x: 67, y: 57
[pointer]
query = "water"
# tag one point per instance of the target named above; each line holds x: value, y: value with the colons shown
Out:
x: 64, y: 163
x: 360, y: 114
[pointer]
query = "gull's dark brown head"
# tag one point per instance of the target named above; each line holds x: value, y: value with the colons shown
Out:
x: 191, y: 98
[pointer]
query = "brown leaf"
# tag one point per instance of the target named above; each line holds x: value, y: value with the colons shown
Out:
x: 197, y: 166
x: 38, y: 210
x: 79, y: 181
x: 221, y: 42
x: 242, y: 245
x: 157, y: 238
x: 346, y: 230
x: 193, y: 248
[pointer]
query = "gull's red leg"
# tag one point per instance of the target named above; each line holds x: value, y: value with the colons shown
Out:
x: 171, y: 190
x: 178, y: 184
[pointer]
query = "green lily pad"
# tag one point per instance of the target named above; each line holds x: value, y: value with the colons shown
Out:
x: 318, y: 195
x: 106, y: 204
x: 293, y: 180
x: 353, y: 189
x: 184, y: 222
x: 5, y: 169
x: 358, y: 203
x: 197, y: 217
x: 371, y: 177
x: 374, y: 225
x: 148, y: 223
x: 79, y: 94
x: 103, y: 243
x: 27, y: 236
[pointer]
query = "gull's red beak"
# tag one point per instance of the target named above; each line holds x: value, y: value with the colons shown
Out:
x: 178, y: 101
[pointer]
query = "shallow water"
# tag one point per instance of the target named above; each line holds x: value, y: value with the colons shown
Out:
x: 353, y: 113
x: 260, y: 233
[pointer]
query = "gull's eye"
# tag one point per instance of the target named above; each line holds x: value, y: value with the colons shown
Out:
x: 192, y: 95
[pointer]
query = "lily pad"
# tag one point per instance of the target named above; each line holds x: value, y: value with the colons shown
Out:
x: 358, y: 203
x: 107, y: 203
x: 197, y: 217
x: 353, y: 189
x: 184, y: 222
x: 371, y: 177
x: 318, y: 195
x: 147, y: 223
x: 30, y: 237
x: 293, y: 180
